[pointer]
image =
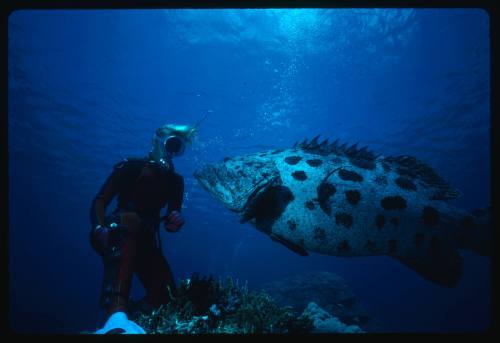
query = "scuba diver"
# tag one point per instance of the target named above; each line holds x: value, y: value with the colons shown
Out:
x: 128, y: 239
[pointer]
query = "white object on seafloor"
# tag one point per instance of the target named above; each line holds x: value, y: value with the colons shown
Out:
x: 119, y: 320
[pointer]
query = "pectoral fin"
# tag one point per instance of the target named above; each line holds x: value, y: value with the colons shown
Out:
x: 292, y: 246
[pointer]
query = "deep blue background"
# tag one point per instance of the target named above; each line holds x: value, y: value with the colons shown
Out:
x: 88, y: 88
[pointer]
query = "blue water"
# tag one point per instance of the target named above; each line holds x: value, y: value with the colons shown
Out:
x: 88, y: 88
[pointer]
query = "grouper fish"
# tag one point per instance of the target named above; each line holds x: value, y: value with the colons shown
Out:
x: 343, y: 200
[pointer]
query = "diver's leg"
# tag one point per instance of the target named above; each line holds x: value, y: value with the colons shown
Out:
x: 119, y: 264
x: 155, y: 274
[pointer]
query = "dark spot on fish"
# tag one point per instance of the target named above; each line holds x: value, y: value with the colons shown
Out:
x: 370, y: 246
x: 405, y: 183
x: 380, y: 180
x: 393, y: 246
x: 467, y: 222
x: 380, y: 221
x: 344, y: 246
x: 291, y: 224
x: 293, y: 160
x: 395, y: 221
x: 265, y: 174
x: 325, y: 190
x: 299, y: 175
x: 310, y: 205
x: 248, y: 163
x: 362, y: 163
x: 393, y: 203
x: 314, y: 162
x: 419, y: 240
x: 430, y: 216
x: 386, y: 166
x: 262, y: 155
x: 349, y: 175
x: 226, y: 159
x: 319, y: 234
x: 342, y: 218
x: 352, y: 196
x: 237, y: 167
x: 277, y: 151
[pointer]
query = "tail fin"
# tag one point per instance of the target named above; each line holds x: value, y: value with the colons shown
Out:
x: 438, y: 259
x: 475, y: 232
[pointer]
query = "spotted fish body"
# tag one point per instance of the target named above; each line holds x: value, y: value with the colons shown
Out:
x: 345, y: 201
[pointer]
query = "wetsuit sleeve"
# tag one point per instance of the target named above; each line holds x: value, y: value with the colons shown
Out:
x: 109, y: 189
x: 177, y: 194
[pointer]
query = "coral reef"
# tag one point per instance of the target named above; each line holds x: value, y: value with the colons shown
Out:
x: 327, y: 290
x: 203, y: 305
x: 323, y: 322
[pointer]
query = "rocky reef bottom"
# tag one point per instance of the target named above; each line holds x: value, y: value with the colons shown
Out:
x: 329, y: 291
x: 203, y: 305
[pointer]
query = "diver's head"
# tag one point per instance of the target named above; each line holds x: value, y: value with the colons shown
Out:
x: 170, y: 141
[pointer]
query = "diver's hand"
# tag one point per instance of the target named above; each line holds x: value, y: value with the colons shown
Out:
x: 174, y: 222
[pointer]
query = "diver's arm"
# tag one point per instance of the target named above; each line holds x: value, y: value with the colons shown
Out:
x: 174, y: 220
x: 177, y: 195
x: 107, y: 192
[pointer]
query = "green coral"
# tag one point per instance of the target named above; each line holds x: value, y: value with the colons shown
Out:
x: 206, y: 306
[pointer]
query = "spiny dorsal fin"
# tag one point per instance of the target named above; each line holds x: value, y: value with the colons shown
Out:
x: 325, y: 148
x: 352, y: 150
x: 314, y: 141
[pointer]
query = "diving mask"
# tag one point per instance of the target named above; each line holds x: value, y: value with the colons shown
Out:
x: 175, y: 146
x: 170, y: 141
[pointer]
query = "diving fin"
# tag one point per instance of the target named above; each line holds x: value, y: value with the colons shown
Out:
x: 118, y: 323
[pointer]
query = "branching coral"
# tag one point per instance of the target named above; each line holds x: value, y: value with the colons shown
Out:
x: 205, y: 306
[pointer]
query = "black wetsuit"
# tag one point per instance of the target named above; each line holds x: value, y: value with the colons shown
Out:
x: 144, y: 191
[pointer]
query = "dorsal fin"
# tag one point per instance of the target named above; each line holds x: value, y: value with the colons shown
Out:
x: 325, y: 148
x: 410, y: 166
x: 314, y: 141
